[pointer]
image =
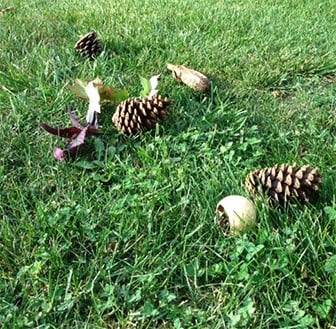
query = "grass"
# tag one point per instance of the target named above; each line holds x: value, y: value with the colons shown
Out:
x: 130, y: 240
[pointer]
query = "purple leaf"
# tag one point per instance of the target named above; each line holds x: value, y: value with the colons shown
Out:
x: 76, y: 134
x: 51, y: 130
x: 59, y: 154
x: 77, y: 141
x: 74, y: 121
x: 92, y: 130
x: 62, y: 132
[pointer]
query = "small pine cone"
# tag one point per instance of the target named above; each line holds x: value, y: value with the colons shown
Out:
x: 282, y: 183
x: 89, y: 46
x: 138, y: 114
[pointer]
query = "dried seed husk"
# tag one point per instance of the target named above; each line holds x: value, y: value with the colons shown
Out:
x: 191, y: 78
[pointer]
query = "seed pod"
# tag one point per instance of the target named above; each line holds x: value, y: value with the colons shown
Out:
x: 191, y: 78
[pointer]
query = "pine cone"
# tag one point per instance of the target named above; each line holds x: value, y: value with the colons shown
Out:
x: 89, y: 45
x: 284, y: 183
x: 137, y: 114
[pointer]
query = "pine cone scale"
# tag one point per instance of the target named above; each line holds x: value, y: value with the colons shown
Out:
x: 288, y: 180
x: 278, y: 188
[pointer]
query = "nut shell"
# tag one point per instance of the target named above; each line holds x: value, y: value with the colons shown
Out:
x: 236, y: 213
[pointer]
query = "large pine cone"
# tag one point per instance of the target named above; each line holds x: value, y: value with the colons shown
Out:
x: 286, y: 182
x: 89, y: 46
x: 138, y: 114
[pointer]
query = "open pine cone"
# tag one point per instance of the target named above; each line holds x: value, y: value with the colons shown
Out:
x: 286, y: 182
x: 138, y: 114
x: 89, y: 45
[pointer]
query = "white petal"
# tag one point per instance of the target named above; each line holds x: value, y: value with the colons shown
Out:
x: 94, y: 101
x: 154, y: 81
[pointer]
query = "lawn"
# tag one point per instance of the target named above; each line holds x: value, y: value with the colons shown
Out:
x: 125, y: 235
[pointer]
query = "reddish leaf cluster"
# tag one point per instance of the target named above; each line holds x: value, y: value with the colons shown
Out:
x: 76, y: 135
